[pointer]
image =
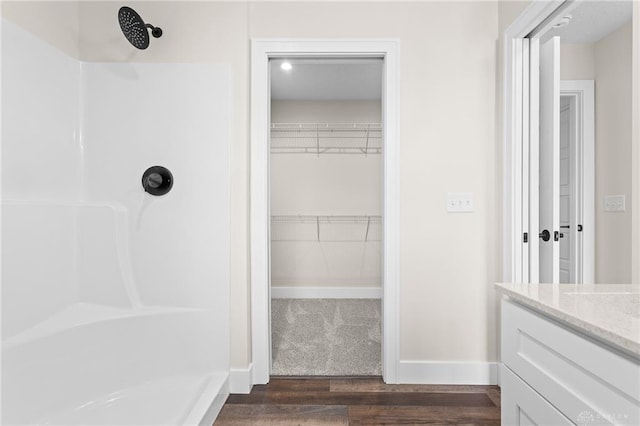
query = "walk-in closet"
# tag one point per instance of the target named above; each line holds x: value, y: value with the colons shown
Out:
x: 326, y: 148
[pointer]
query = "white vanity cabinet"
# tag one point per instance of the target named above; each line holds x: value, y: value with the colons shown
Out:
x: 521, y: 405
x: 555, y: 375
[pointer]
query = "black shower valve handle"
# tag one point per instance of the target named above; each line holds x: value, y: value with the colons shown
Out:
x: 157, y: 180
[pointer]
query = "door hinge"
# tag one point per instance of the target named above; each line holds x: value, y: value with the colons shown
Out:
x: 525, y: 237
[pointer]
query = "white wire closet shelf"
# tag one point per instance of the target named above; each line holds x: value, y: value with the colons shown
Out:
x: 326, y: 138
x: 339, y: 228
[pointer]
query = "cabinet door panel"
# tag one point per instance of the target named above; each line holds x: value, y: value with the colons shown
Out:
x: 582, y: 378
x: 521, y: 405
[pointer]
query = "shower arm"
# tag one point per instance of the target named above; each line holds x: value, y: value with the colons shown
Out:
x: 155, y: 31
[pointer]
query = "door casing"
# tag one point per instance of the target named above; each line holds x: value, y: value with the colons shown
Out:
x: 261, y: 51
x: 582, y: 95
x: 520, y: 119
x: 547, y: 205
x: 520, y: 122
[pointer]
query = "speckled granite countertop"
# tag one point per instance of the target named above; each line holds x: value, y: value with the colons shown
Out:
x: 610, y: 312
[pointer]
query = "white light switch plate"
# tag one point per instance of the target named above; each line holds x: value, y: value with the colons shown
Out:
x: 614, y: 203
x: 459, y: 202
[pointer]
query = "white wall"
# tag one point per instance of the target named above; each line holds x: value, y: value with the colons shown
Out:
x: 508, y: 11
x: 41, y: 147
x: 38, y: 268
x: 40, y: 161
x: 608, y: 62
x: 326, y: 111
x: 448, y: 53
x: 56, y: 23
x: 613, y: 56
x: 577, y: 62
x: 177, y: 116
x: 329, y: 184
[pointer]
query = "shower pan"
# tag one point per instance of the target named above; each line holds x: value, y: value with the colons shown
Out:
x: 115, y: 305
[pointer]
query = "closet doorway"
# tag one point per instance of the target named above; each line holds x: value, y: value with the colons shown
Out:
x: 346, y: 142
x: 326, y: 149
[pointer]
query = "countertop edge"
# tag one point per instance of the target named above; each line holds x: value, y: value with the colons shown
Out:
x: 607, y: 337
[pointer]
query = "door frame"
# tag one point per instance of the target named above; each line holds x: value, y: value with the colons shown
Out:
x: 582, y: 94
x: 261, y: 51
x: 518, y: 114
x: 546, y: 167
x: 541, y: 14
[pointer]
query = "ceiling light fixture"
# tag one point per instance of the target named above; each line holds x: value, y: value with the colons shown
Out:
x: 286, y: 66
x: 563, y: 22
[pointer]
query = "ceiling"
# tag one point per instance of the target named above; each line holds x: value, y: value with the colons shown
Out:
x: 325, y: 79
x: 592, y: 21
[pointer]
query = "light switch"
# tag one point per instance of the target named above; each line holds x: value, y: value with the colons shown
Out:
x: 459, y: 202
x: 614, y: 203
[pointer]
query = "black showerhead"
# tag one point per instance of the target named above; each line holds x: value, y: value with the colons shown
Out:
x: 134, y: 28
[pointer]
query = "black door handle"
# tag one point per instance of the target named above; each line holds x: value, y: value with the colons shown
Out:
x: 565, y: 226
x: 545, y: 235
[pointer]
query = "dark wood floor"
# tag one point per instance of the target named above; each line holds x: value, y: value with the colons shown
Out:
x: 361, y: 401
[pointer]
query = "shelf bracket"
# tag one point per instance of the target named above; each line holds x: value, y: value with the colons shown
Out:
x: 366, y: 146
x: 366, y: 236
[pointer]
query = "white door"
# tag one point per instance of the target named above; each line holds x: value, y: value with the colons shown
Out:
x: 567, y: 193
x: 549, y: 149
x: 577, y: 129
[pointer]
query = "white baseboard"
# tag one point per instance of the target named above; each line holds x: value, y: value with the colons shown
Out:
x: 452, y: 373
x: 241, y: 380
x: 326, y: 292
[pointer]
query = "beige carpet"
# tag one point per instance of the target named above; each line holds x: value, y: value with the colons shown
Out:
x: 326, y: 337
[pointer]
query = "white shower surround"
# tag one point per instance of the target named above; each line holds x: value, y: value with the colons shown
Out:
x: 115, y: 304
